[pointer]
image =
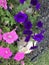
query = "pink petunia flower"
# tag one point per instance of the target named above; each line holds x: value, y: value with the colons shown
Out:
x: 10, y: 37
x: 5, y: 52
x: 3, y: 3
x: 19, y: 56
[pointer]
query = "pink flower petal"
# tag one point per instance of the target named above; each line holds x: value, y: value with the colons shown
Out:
x: 19, y: 56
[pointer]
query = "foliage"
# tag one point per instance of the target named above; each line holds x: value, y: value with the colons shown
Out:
x: 43, y: 59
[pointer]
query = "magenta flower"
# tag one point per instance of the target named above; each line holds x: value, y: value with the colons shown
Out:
x: 5, y: 52
x: 3, y: 3
x: 19, y: 56
x: 10, y: 37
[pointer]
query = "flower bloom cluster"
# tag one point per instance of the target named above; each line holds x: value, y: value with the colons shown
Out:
x: 22, y: 17
x: 6, y: 53
x: 36, y: 4
x: 3, y: 3
x: 32, y: 2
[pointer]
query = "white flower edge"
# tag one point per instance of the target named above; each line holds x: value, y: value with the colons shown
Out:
x: 27, y: 49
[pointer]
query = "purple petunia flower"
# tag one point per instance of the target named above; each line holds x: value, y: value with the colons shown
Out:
x: 38, y: 6
x: 27, y: 38
x: 33, y: 47
x: 34, y: 2
x: 20, y: 17
x: 27, y: 25
x: 40, y: 24
x: 43, y: 31
x: 28, y: 32
x: 38, y: 37
x: 22, y: 1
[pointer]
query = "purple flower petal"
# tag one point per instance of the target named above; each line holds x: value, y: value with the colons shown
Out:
x: 33, y: 47
x: 22, y: 1
x: 28, y: 32
x: 38, y: 37
x: 40, y: 24
x: 38, y: 6
x: 20, y: 17
x: 27, y: 25
x: 43, y: 31
x: 34, y: 2
x: 27, y: 38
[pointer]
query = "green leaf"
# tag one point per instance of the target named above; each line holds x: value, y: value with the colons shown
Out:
x: 6, y: 29
x: 13, y: 48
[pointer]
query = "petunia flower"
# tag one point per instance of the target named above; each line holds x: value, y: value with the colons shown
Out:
x: 34, y: 45
x: 38, y: 37
x: 34, y: 2
x: 27, y: 24
x: 10, y: 37
x: 19, y: 56
x: 38, y: 6
x: 22, y: 1
x: 27, y: 32
x: 27, y: 38
x: 39, y: 24
x: 3, y: 3
x: 5, y: 52
x: 20, y: 17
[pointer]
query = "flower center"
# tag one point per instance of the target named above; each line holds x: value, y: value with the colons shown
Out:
x: 6, y: 52
x: 9, y: 36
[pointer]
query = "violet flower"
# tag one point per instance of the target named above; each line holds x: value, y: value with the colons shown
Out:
x: 38, y: 6
x: 27, y: 32
x: 34, y: 2
x: 27, y: 25
x: 27, y: 38
x: 38, y: 37
x: 22, y: 1
x: 20, y: 17
x: 33, y: 47
x: 39, y: 24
